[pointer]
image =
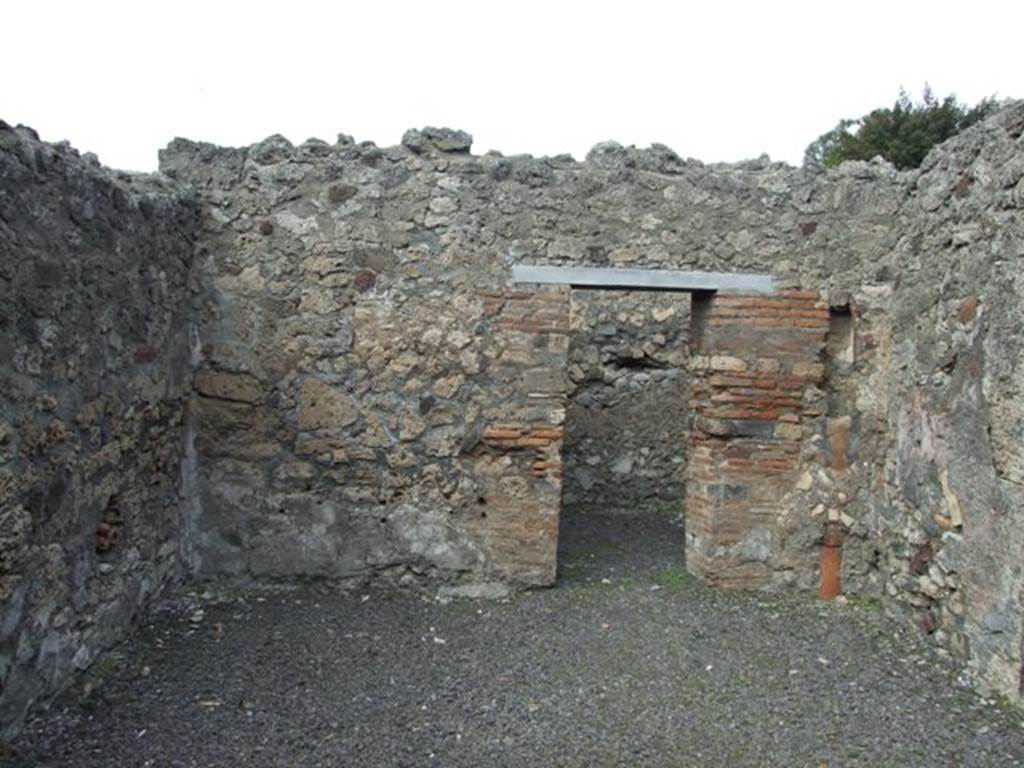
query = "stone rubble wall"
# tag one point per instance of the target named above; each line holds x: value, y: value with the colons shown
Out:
x: 628, y: 413
x: 351, y: 366
x: 950, y: 517
x: 921, y: 461
x: 95, y: 376
x: 373, y: 402
x: 350, y: 360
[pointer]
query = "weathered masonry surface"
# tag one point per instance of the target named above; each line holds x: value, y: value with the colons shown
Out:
x: 96, y: 342
x: 280, y: 362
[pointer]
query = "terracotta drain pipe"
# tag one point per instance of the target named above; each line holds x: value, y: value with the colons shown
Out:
x: 831, y: 560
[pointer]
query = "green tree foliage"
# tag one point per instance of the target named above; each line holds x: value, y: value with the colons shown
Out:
x: 902, y: 134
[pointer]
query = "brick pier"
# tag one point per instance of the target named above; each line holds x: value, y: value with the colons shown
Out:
x: 517, y: 461
x: 756, y: 368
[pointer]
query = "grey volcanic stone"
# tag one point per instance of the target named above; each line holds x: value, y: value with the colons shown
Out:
x: 442, y: 139
x: 96, y: 333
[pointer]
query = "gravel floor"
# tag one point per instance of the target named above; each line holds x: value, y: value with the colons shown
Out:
x: 627, y: 663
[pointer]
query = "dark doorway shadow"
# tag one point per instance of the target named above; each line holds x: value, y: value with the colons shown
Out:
x: 596, y: 545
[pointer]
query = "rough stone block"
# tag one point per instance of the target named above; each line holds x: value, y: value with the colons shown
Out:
x: 323, y: 406
x: 726, y: 363
x: 224, y: 385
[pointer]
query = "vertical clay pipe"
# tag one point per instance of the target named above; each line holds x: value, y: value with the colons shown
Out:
x: 831, y: 559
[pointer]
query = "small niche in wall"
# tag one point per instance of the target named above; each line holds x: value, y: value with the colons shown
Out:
x: 839, y: 345
x: 700, y: 308
x: 840, y: 388
x: 108, y: 532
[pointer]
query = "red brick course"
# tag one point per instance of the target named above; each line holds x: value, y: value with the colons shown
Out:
x: 528, y: 311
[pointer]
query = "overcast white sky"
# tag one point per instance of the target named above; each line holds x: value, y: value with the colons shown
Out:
x: 716, y: 81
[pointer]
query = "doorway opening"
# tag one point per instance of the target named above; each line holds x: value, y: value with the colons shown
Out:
x: 755, y: 402
x: 626, y: 435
